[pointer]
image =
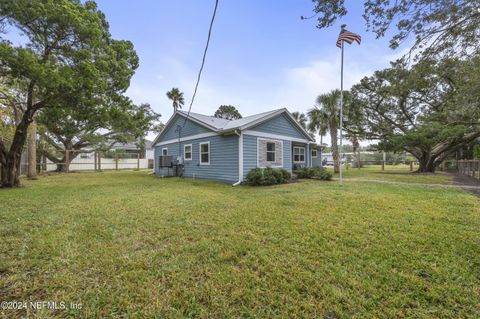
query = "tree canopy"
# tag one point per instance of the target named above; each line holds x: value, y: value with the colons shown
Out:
x: 439, y: 26
x: 93, y: 128
x: 228, y: 112
x: 68, y: 62
x: 429, y: 110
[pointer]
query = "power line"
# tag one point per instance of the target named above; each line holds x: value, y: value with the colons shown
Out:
x: 203, y: 61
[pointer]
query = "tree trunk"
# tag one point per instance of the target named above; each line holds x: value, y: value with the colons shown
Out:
x: 32, y: 151
x: 10, y: 170
x: 426, y: 164
x: 336, y: 156
x: 10, y: 176
x: 64, y: 164
x: 11, y: 167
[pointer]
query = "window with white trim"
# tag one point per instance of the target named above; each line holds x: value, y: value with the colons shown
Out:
x: 165, y: 151
x: 298, y: 154
x: 204, y: 153
x: 314, y: 154
x: 270, y: 152
x: 187, y: 152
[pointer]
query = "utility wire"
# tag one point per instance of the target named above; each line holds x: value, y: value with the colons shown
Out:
x: 203, y: 61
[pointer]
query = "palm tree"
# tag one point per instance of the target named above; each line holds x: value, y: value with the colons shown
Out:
x: 317, y: 124
x: 177, y: 98
x: 325, y: 116
x: 301, y: 119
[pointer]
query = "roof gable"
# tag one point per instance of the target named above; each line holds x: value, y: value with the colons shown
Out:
x: 280, y: 124
x: 189, y: 127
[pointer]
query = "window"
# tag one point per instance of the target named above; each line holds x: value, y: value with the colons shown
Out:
x: 84, y: 155
x: 299, y: 154
x: 270, y: 152
x: 205, y: 153
x: 165, y: 151
x: 314, y: 154
x: 187, y: 152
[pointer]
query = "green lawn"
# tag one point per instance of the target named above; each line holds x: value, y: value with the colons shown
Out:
x: 394, y: 173
x: 127, y: 244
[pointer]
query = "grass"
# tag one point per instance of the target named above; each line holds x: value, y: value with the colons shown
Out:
x: 394, y: 173
x: 130, y: 245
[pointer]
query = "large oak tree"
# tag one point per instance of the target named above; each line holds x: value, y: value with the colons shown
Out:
x: 67, y: 54
x: 429, y: 110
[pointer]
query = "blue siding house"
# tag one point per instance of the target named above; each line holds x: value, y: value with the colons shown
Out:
x: 226, y: 150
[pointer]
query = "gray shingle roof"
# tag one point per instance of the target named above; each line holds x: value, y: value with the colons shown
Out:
x: 223, y: 124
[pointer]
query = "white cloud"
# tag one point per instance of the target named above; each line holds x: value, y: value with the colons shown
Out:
x: 304, y: 83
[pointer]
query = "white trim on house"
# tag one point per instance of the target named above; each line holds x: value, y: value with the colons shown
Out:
x: 298, y: 147
x: 269, y: 140
x: 240, y: 157
x: 187, y: 138
x: 185, y: 152
x: 275, y: 136
x: 200, y: 152
x: 164, y: 149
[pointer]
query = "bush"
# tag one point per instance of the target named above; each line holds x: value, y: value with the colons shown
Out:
x: 313, y: 172
x: 322, y: 173
x: 255, y: 177
x: 267, y: 176
x: 304, y: 172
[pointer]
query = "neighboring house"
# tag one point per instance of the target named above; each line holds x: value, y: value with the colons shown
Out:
x: 133, y: 149
x: 226, y: 150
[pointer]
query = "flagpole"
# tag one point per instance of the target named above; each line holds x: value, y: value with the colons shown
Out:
x: 341, y: 112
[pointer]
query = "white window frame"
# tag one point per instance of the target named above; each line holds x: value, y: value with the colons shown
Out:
x: 191, y: 152
x: 274, y: 152
x: 316, y: 153
x: 272, y: 141
x: 165, y: 149
x: 302, y: 148
x: 200, y: 152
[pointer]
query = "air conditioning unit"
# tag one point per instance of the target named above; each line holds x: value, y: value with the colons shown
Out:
x: 165, y: 161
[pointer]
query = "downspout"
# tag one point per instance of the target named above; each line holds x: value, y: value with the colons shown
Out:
x: 240, y: 157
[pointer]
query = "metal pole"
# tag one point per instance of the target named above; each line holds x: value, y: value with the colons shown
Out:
x: 341, y: 114
x: 138, y: 161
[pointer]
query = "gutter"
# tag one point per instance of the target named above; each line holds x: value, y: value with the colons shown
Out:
x: 240, y: 157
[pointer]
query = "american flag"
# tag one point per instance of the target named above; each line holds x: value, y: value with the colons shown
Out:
x: 348, y: 37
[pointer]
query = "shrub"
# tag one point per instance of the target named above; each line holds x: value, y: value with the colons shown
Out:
x: 322, y: 173
x: 267, y: 176
x: 304, y: 172
x: 313, y: 172
x: 255, y: 177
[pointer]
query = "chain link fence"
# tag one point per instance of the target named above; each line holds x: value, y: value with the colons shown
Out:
x: 469, y: 167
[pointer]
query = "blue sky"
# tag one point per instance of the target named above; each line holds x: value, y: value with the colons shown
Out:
x: 261, y: 56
